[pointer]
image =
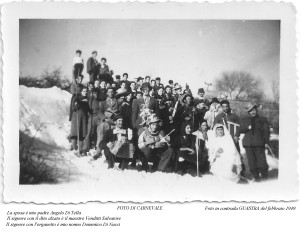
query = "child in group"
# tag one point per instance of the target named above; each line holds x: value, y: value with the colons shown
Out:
x: 77, y: 64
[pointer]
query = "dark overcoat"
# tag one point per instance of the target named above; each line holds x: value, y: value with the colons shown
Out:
x: 80, y: 108
x: 257, y: 136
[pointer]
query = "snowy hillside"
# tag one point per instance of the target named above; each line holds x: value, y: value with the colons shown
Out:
x: 44, y: 113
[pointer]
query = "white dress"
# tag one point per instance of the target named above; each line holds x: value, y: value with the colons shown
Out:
x: 228, y: 164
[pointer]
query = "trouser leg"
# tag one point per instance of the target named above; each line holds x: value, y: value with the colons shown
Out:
x: 74, y: 144
x: 136, y: 150
x: 80, y: 145
x: 109, y: 157
x: 147, y: 153
x: 91, y: 77
x: 250, y: 153
x: 165, y: 158
x: 87, y: 141
x: 261, y: 161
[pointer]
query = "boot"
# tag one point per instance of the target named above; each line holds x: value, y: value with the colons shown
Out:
x: 111, y: 162
x: 74, y: 144
x: 145, y: 166
x: 264, y: 175
x: 81, y: 151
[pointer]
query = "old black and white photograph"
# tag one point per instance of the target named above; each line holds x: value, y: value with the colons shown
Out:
x: 142, y: 100
x: 132, y: 107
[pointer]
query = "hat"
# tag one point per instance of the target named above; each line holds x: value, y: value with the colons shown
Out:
x: 118, y: 77
x: 250, y: 107
x: 225, y: 102
x: 201, y: 90
x: 187, y: 95
x: 198, y: 101
x: 122, y: 94
x: 140, y: 78
x: 214, y: 100
x: 153, y: 119
x: 168, y: 86
x: 110, y: 87
x: 110, y: 110
x: 145, y: 85
x: 117, y: 116
x: 177, y: 87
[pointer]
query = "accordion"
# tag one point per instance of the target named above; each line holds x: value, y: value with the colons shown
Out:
x: 122, y: 147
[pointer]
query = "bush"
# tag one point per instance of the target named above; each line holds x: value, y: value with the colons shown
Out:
x: 36, y: 165
x: 48, y: 79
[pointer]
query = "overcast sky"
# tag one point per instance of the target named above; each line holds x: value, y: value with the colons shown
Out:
x: 187, y: 51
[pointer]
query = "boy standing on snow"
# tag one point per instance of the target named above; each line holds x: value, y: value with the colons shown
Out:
x: 77, y: 64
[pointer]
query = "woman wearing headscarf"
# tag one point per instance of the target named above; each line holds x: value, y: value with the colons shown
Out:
x: 225, y: 162
x: 80, y: 110
x: 185, y: 146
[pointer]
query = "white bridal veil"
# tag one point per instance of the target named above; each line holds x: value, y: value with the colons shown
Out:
x: 227, y: 163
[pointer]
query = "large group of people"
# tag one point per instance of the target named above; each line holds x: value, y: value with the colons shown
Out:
x: 164, y: 127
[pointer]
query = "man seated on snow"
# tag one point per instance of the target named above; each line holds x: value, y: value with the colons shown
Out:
x: 154, y: 146
x: 116, y: 144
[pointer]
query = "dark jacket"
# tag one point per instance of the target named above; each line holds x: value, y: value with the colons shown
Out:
x: 91, y: 65
x: 126, y: 112
x: 108, y: 137
x: 104, y: 105
x: 136, y: 109
x: 258, y: 135
x: 188, y: 112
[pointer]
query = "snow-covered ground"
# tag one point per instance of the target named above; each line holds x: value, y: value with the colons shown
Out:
x: 44, y: 113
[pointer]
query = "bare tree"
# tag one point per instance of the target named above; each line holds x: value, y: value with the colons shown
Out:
x: 239, y: 85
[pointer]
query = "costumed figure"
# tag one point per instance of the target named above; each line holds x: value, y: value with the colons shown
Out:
x: 224, y: 159
x: 154, y: 146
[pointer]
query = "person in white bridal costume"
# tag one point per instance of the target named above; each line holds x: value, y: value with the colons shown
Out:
x: 225, y: 162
